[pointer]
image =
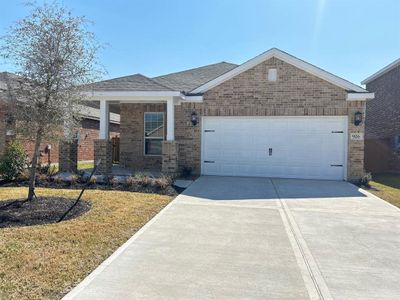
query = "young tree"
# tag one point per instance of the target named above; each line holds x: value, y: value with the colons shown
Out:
x: 56, y: 56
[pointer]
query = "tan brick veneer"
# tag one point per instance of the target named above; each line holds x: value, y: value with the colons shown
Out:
x: 169, y: 157
x: 132, y: 136
x: 68, y: 160
x: 103, y: 151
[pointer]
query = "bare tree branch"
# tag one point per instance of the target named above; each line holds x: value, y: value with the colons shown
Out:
x: 56, y: 56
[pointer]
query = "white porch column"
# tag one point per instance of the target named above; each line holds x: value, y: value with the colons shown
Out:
x: 104, y: 120
x: 170, y: 120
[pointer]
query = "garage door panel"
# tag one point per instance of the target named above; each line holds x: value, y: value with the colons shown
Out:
x: 305, y: 147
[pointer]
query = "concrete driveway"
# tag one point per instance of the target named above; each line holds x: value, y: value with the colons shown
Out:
x: 237, y: 238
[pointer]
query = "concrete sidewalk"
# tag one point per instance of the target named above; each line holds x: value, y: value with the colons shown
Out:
x: 231, y: 237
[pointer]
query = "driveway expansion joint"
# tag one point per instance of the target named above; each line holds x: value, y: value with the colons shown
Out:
x: 315, y: 283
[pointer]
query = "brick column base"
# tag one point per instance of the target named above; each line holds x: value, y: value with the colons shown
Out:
x: 103, y: 151
x: 68, y: 156
x: 169, y: 157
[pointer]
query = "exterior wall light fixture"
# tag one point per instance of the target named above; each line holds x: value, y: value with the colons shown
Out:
x: 193, y: 118
x: 357, y: 118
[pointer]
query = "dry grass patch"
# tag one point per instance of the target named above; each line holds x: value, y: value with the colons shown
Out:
x: 387, y: 187
x: 45, y: 261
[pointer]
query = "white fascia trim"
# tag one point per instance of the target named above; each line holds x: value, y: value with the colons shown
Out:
x: 307, y: 67
x: 94, y: 94
x: 386, y: 69
x: 193, y: 99
x: 360, y: 96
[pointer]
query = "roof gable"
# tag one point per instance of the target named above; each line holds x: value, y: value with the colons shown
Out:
x: 307, y: 67
x: 382, y: 71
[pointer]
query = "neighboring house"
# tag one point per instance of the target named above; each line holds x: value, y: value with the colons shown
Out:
x: 88, y: 132
x: 382, y: 126
x: 274, y: 116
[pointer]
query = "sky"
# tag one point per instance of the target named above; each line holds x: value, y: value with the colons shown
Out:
x: 349, y: 38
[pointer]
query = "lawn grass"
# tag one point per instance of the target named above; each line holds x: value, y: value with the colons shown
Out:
x: 85, y: 165
x: 45, y: 261
x: 387, y: 187
x: 81, y: 166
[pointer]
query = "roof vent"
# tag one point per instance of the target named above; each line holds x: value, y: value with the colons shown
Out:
x: 272, y: 74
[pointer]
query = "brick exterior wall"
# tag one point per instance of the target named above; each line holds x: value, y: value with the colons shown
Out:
x: 103, y: 151
x: 68, y: 156
x: 44, y: 157
x: 89, y: 132
x: 169, y: 157
x: 132, y: 136
x: 383, y: 123
x: 295, y: 93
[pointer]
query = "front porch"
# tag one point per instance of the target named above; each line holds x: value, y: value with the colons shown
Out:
x: 147, y: 137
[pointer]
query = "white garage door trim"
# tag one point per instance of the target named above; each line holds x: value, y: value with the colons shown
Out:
x: 342, y: 119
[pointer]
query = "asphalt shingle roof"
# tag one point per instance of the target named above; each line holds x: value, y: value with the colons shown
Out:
x: 180, y: 81
x: 190, y: 79
x: 136, y: 82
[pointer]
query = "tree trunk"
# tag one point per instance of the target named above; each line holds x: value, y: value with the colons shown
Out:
x: 32, y: 174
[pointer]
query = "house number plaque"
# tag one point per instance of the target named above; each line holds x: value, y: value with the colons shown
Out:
x: 357, y: 136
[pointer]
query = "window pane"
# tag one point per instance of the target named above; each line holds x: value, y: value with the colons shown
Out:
x: 153, y: 147
x: 154, y: 125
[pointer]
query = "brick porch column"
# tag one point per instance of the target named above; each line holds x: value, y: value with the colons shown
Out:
x: 103, y: 151
x: 68, y: 156
x: 169, y: 157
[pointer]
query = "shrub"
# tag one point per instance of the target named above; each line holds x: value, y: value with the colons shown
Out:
x: 163, y: 182
x: 367, y: 177
x: 73, y: 179
x: 41, y: 177
x: 142, y: 179
x: 93, y: 180
x: 113, y: 181
x: 23, y: 176
x: 130, y: 181
x: 49, y: 170
x: 13, y: 162
x: 58, y: 179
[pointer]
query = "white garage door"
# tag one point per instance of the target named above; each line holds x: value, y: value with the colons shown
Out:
x: 287, y: 147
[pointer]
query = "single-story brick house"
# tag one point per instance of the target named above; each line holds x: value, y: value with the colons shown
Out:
x: 382, y: 125
x: 274, y: 116
x: 88, y: 132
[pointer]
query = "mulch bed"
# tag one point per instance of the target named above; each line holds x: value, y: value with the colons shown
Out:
x: 45, y: 210
x: 170, y: 190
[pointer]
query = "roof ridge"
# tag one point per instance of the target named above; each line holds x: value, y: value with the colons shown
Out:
x: 156, y: 82
x: 191, y: 69
x: 121, y: 77
x: 132, y: 75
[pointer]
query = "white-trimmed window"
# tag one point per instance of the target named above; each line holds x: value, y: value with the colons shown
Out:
x: 153, y: 132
